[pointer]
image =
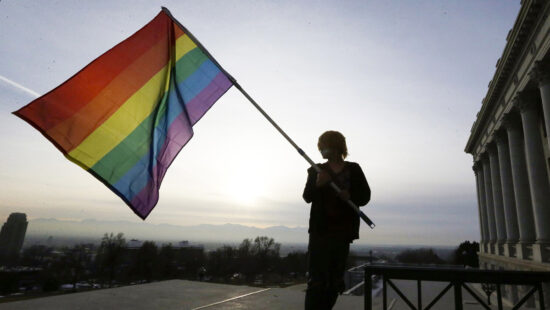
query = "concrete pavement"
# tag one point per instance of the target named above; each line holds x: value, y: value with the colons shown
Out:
x: 180, y: 295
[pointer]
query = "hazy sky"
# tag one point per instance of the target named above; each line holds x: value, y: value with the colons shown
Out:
x: 402, y: 80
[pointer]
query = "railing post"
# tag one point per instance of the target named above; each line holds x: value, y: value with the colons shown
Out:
x: 458, y: 295
x: 499, y: 297
x: 368, y: 290
x: 419, y: 288
x: 541, y: 296
x: 384, y: 293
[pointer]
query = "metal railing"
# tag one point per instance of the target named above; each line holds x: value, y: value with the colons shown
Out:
x: 456, y: 279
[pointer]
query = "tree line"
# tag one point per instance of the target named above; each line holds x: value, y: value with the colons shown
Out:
x: 113, y: 263
x: 464, y: 255
x: 254, y: 261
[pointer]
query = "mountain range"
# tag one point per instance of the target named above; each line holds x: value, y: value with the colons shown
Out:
x: 90, y: 229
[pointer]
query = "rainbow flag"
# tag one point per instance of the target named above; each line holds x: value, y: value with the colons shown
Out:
x: 127, y: 114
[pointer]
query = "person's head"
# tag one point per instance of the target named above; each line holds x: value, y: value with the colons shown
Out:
x: 332, y: 145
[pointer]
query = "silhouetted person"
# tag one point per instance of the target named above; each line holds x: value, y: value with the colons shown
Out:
x: 333, y: 224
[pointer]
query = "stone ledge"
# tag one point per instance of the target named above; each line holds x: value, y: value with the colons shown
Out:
x: 522, y: 264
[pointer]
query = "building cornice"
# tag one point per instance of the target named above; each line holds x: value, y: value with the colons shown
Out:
x: 517, y: 42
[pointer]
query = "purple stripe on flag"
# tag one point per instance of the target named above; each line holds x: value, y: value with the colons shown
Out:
x: 178, y: 135
x: 205, y: 99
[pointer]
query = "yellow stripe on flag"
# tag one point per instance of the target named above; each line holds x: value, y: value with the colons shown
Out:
x: 123, y: 121
x: 183, y: 46
x: 136, y: 109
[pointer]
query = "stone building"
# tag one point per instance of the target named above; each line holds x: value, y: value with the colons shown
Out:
x: 510, y: 147
x: 12, y: 236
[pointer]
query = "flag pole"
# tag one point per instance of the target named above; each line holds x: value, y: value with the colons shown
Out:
x: 350, y: 203
x: 301, y: 152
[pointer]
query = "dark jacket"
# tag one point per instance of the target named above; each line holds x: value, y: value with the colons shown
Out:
x: 329, y: 215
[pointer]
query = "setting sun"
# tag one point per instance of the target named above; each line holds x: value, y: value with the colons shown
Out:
x: 244, y: 187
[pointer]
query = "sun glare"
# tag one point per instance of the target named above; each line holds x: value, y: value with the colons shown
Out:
x: 244, y: 188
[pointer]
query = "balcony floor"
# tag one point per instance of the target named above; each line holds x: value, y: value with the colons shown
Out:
x: 180, y: 294
x: 190, y: 295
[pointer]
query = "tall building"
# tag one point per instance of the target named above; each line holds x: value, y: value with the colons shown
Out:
x: 12, y: 236
x: 509, y: 144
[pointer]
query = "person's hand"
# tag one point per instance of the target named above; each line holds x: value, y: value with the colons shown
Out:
x: 344, y: 195
x: 322, y: 178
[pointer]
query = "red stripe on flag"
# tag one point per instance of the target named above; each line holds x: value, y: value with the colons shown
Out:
x: 75, y: 93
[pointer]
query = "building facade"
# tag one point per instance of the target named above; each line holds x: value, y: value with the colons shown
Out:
x: 510, y: 147
x: 12, y: 236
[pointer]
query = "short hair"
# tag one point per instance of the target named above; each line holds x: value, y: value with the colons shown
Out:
x: 334, y: 140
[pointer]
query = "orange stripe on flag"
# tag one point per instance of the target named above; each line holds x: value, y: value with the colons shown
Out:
x: 70, y: 133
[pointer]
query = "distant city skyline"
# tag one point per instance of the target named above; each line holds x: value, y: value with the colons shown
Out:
x: 402, y: 81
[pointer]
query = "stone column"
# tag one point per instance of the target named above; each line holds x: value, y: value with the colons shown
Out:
x: 508, y: 197
x: 497, y: 197
x: 541, y: 73
x: 524, y: 208
x: 536, y: 170
x: 489, y: 203
x: 484, y: 229
x: 481, y: 237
